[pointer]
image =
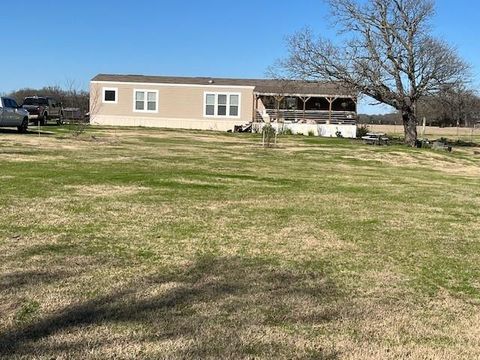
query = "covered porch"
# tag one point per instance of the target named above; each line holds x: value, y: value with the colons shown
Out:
x: 305, y: 108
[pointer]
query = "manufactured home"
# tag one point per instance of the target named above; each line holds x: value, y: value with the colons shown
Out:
x: 326, y: 109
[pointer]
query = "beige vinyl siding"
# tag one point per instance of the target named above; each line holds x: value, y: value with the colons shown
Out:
x: 177, y: 105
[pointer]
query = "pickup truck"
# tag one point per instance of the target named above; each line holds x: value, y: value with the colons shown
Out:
x: 12, y: 115
x: 42, y: 109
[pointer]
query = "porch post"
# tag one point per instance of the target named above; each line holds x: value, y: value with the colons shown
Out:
x: 355, y: 100
x: 304, y: 99
x: 278, y: 99
x: 330, y: 108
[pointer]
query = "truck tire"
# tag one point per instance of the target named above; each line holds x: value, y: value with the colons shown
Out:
x: 43, y: 120
x: 60, y: 119
x: 23, y: 128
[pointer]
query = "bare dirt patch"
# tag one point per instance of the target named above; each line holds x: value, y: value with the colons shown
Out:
x: 106, y: 190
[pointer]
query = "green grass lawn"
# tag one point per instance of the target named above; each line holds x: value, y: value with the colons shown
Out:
x: 143, y: 243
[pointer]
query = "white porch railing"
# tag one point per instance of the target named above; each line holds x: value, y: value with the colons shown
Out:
x: 312, y: 116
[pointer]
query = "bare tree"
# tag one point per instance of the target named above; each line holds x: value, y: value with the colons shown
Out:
x: 77, y: 97
x: 452, y: 106
x: 386, y: 52
x: 93, y: 105
x: 95, y: 101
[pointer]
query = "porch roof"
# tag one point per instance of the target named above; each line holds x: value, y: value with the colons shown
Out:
x: 302, y: 88
x: 260, y: 86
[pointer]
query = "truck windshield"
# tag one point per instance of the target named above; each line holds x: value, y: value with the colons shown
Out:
x: 35, y: 101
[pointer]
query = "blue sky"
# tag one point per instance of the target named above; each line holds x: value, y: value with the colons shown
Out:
x: 55, y: 42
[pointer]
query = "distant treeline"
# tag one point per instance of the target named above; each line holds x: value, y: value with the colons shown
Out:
x: 386, y: 119
x: 70, y: 98
x: 449, y: 107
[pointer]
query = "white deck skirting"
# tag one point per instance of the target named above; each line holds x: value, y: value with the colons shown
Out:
x: 324, y: 130
x: 174, y: 123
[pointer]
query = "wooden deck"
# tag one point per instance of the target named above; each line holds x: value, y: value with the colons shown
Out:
x: 310, y: 116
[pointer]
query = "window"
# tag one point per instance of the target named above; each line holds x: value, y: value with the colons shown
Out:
x: 210, y: 105
x: 110, y: 95
x: 151, y: 101
x: 145, y: 101
x: 139, y: 100
x: 35, y: 101
x: 10, y: 103
x: 222, y: 105
x: 234, y: 104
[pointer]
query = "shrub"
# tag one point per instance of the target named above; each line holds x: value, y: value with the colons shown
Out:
x: 362, y: 131
x: 268, y: 133
x: 287, y: 131
x: 78, y: 127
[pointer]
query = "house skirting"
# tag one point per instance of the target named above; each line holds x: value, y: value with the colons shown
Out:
x: 324, y: 130
x: 174, y: 123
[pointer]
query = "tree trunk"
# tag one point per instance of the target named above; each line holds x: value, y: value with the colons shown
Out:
x: 410, y: 126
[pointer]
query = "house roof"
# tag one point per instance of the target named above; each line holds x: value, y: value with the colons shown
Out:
x: 261, y: 86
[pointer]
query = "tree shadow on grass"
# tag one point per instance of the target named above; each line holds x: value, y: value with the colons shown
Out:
x: 31, y: 131
x: 218, y: 307
x: 22, y: 279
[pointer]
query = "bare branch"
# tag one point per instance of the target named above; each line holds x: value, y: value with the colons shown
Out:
x: 388, y: 55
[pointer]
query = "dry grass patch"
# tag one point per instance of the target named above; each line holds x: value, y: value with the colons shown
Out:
x: 106, y: 190
x: 29, y: 158
x: 426, y: 160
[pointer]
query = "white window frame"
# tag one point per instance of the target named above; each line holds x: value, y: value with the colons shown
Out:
x: 109, y: 89
x: 145, y: 101
x: 228, y: 94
